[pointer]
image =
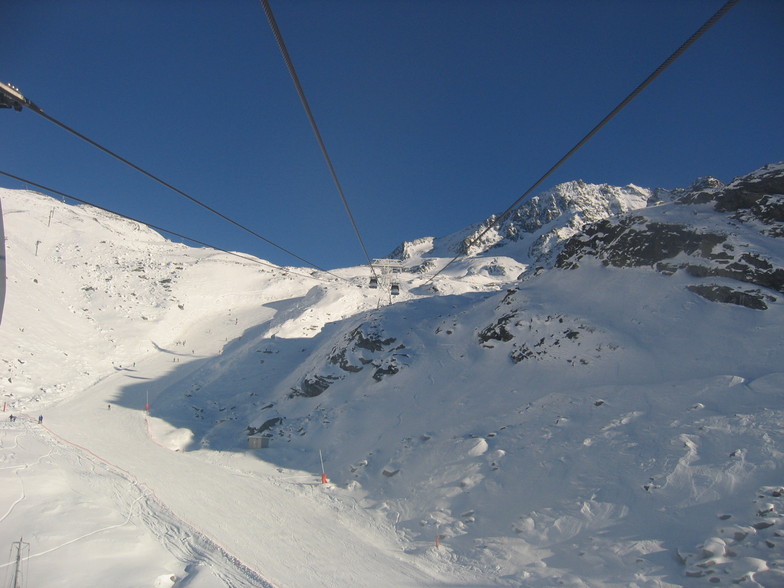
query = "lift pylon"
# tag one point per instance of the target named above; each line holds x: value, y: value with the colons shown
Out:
x: 18, y: 579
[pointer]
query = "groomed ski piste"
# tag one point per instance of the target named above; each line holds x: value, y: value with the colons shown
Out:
x: 599, y: 426
x: 124, y: 527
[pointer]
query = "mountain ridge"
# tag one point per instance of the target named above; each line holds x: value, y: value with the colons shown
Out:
x: 577, y: 403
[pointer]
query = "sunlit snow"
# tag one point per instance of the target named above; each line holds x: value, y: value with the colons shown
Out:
x: 600, y: 426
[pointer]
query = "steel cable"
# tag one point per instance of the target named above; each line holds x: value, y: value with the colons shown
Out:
x: 295, y: 78
x: 51, y: 119
x: 665, y: 64
x: 161, y: 229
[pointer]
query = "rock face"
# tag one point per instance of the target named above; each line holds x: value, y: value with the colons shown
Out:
x: 541, y: 223
x: 363, y: 347
x: 711, y: 231
x: 756, y: 197
x: 551, y: 338
x: 575, y: 204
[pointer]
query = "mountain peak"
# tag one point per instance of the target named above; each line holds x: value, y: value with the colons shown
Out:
x: 533, y: 232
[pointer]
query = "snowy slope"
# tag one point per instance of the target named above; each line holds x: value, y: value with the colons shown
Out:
x: 613, y: 421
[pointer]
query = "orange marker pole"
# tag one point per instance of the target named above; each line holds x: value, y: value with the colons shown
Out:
x: 323, y: 474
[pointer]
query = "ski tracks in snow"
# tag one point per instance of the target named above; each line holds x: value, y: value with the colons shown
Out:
x: 194, y: 548
x: 187, y: 544
x: 18, y: 467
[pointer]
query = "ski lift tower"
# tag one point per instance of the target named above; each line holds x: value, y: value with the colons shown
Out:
x: 386, y: 273
x: 18, y: 581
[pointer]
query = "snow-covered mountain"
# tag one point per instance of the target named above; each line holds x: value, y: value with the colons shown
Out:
x: 689, y: 236
x: 533, y: 232
x: 592, y: 396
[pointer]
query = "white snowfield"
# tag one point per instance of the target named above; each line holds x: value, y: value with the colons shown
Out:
x: 596, y: 427
x: 105, y: 496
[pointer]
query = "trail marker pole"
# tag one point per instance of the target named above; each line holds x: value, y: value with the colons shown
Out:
x: 323, y: 474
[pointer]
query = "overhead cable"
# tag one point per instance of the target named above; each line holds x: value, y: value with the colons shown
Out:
x: 665, y: 64
x: 31, y: 106
x: 161, y: 229
x: 293, y: 73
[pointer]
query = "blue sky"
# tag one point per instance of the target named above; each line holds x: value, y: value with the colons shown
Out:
x: 437, y: 113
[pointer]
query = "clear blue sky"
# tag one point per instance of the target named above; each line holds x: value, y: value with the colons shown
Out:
x: 437, y: 113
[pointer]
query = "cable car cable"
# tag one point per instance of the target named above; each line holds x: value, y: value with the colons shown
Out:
x: 191, y: 239
x: 665, y: 64
x: 295, y: 78
x: 30, y: 105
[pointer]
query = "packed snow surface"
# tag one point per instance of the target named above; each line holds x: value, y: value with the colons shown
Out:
x: 598, y: 426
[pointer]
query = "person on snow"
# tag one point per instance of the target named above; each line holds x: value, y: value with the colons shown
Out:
x: 40, y: 419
